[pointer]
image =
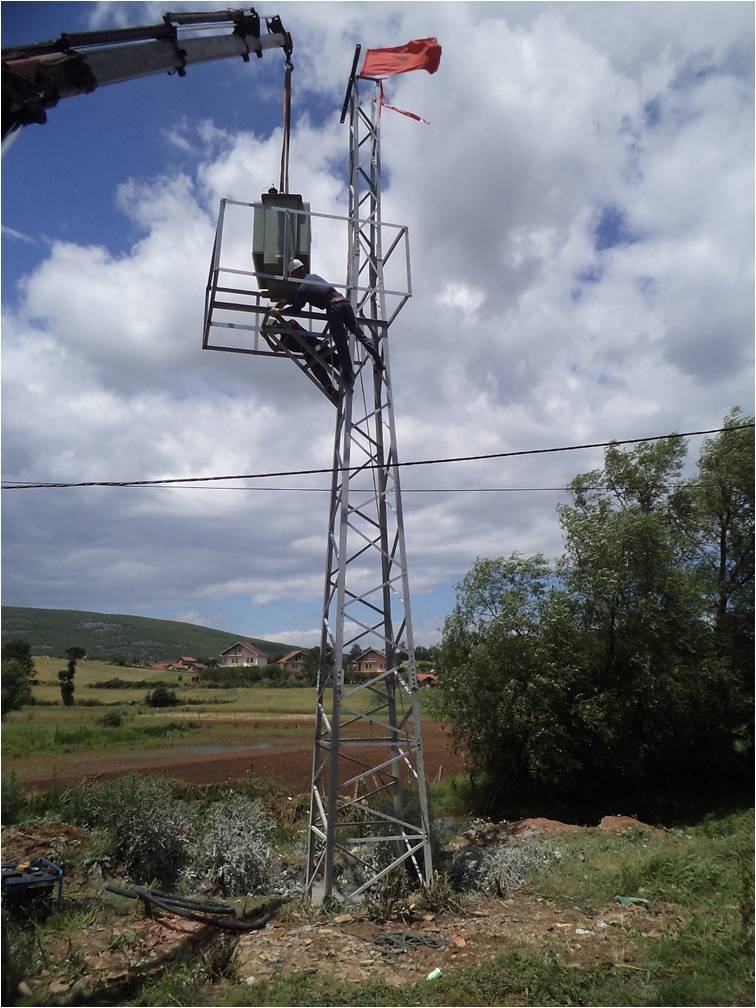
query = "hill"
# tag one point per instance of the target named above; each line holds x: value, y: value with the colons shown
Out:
x: 133, y: 639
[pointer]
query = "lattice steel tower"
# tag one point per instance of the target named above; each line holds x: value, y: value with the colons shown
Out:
x: 369, y: 808
x: 368, y: 742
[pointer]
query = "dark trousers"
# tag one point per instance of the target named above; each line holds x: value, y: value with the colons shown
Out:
x: 341, y: 318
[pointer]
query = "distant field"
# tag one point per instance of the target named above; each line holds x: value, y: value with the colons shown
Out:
x: 250, y: 700
x: 47, y: 738
x: 88, y: 672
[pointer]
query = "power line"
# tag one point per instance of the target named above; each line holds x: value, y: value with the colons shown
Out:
x: 319, y: 472
x: 410, y: 490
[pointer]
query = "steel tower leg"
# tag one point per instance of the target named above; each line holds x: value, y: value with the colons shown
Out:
x: 368, y: 806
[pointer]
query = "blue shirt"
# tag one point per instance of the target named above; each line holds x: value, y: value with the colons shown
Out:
x: 316, y: 290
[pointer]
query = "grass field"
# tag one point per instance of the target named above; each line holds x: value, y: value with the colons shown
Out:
x: 47, y: 737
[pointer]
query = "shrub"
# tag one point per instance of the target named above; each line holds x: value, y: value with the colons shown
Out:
x: 505, y: 867
x: 231, y: 853
x: 146, y: 828
x: 12, y: 801
x: 161, y: 696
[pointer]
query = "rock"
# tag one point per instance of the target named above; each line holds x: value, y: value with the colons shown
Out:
x: 25, y: 990
x: 58, y: 987
x: 250, y: 980
x: 582, y: 931
x: 459, y: 941
x: 344, y: 918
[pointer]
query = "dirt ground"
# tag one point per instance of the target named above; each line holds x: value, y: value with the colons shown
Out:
x: 122, y: 949
x: 522, y: 922
x: 116, y: 956
x: 290, y: 763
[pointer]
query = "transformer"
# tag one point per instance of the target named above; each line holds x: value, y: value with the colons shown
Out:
x: 281, y: 232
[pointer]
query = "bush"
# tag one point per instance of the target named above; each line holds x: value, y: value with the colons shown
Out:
x: 145, y: 827
x: 12, y: 801
x: 117, y: 683
x: 161, y: 696
x: 230, y: 853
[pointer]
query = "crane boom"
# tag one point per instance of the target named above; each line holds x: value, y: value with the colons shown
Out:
x: 36, y: 77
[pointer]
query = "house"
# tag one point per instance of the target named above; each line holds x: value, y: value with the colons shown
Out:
x: 243, y: 654
x: 427, y: 679
x: 186, y: 664
x: 371, y: 661
x: 292, y: 663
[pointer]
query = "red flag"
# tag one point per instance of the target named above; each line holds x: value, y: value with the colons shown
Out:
x: 420, y: 54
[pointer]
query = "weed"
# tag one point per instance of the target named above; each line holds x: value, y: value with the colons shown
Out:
x: 438, y: 896
x: 389, y: 897
x: 220, y: 961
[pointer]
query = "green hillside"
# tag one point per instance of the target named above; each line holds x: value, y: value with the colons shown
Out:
x: 134, y: 639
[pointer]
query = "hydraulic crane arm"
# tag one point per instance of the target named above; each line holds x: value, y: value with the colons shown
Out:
x: 36, y: 77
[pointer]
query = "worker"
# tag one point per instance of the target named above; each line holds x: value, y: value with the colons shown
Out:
x: 339, y: 312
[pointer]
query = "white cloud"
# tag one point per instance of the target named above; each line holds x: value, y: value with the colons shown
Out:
x: 521, y: 333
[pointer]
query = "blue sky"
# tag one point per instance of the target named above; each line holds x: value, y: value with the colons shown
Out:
x: 581, y: 221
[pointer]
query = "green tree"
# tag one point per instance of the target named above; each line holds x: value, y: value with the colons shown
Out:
x: 17, y: 675
x: 723, y: 522
x: 619, y: 674
x: 310, y: 666
x: 502, y: 688
x: 66, y: 675
x: 161, y: 696
x: 659, y: 703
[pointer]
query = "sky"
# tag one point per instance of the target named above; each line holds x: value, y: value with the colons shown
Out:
x: 580, y: 213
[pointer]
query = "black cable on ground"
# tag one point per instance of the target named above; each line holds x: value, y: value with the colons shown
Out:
x: 200, y: 911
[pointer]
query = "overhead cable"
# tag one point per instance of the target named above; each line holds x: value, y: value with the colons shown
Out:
x: 417, y: 462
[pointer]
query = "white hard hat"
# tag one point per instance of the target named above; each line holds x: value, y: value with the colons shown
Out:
x: 294, y: 265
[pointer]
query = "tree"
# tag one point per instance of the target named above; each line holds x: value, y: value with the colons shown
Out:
x: 723, y: 524
x: 66, y: 675
x: 310, y: 666
x: 499, y: 684
x: 161, y: 696
x: 17, y: 674
x: 659, y: 703
x: 620, y: 674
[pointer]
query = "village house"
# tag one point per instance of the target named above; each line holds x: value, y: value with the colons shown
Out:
x: 187, y: 664
x: 292, y: 663
x: 243, y: 654
x: 371, y: 661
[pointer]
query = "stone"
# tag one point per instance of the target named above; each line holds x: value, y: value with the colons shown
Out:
x: 58, y: 987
